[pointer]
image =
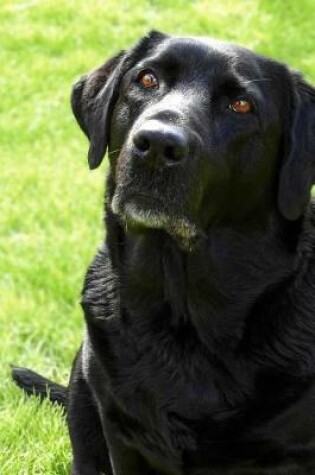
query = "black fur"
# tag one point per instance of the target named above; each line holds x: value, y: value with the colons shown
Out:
x: 35, y: 384
x: 199, y: 355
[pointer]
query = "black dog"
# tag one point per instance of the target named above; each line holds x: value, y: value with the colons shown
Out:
x: 199, y: 355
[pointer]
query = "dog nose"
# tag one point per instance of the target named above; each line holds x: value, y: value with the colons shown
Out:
x: 160, y: 144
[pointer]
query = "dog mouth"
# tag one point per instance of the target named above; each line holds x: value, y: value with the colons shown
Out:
x: 143, y: 211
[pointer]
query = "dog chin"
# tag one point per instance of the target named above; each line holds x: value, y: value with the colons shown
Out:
x: 181, y: 229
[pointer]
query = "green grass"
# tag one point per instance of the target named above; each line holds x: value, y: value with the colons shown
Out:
x: 51, y: 205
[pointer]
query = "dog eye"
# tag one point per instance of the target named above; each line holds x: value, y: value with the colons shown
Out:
x: 242, y: 106
x: 148, y: 80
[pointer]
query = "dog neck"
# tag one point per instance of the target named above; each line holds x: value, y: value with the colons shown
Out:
x: 226, y: 291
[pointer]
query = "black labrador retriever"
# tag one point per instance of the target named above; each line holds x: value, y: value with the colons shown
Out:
x: 199, y: 354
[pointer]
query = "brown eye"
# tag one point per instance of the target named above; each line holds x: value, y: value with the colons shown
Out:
x: 148, y: 80
x: 242, y: 106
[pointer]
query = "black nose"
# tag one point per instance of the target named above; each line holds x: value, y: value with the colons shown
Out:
x: 160, y: 144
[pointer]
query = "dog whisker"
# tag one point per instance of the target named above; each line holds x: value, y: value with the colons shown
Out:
x: 257, y: 80
x: 114, y: 151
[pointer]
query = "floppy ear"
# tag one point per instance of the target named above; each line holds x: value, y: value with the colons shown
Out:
x: 297, y: 174
x: 92, y: 100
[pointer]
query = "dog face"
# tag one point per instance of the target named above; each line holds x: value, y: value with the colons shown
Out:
x: 200, y: 133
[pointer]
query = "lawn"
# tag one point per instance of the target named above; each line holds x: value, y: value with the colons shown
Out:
x: 51, y: 213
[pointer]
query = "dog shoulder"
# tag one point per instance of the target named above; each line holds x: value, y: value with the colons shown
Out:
x: 99, y: 294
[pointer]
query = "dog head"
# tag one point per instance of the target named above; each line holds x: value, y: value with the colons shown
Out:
x: 199, y: 133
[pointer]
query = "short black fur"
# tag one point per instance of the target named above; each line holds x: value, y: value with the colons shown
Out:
x: 199, y: 354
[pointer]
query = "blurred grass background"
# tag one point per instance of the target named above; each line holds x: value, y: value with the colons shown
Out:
x: 51, y: 205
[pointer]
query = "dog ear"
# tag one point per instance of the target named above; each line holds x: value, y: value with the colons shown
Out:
x: 297, y: 174
x: 92, y: 100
